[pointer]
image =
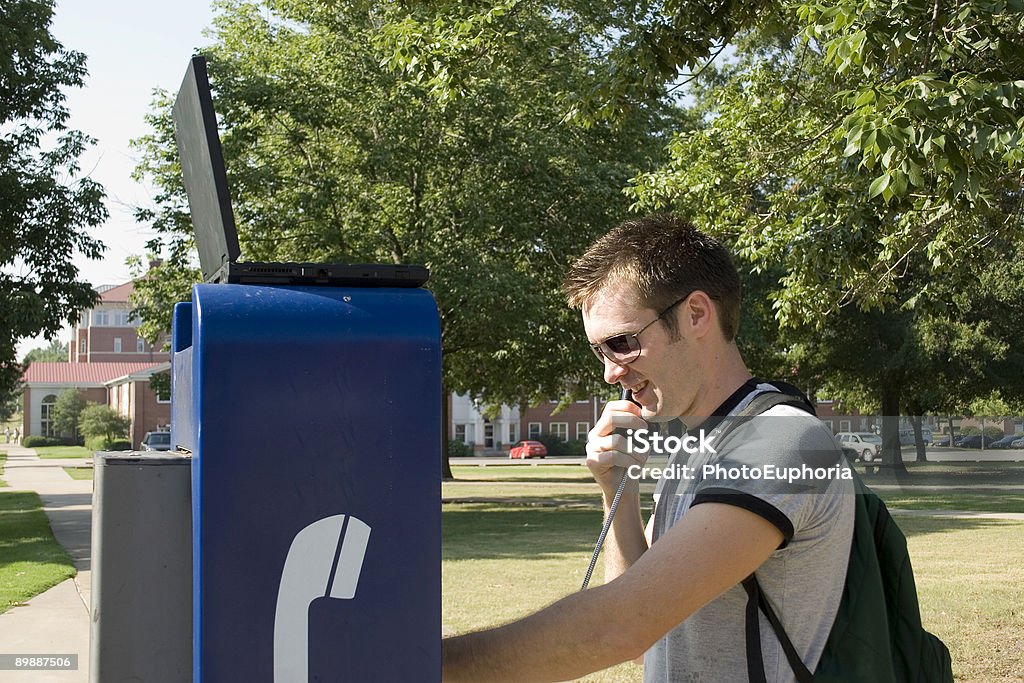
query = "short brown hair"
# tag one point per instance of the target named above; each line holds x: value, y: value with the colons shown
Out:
x: 662, y: 258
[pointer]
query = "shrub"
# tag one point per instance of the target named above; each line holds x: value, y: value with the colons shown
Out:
x: 43, y: 441
x: 576, y: 447
x: 557, y: 446
x: 459, y: 449
x: 97, y: 420
x: 97, y: 443
x: 101, y: 443
x: 994, y: 432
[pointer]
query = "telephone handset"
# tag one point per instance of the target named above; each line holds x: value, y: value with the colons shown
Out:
x: 627, y: 395
x: 323, y: 561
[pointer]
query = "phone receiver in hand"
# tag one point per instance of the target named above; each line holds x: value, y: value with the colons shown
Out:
x: 627, y: 395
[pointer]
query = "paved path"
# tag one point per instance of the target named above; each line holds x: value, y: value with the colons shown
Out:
x: 57, y: 621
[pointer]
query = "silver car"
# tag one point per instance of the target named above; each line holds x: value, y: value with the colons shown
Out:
x: 157, y: 441
x: 867, y: 445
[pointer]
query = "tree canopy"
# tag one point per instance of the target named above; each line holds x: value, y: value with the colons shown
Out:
x: 839, y: 140
x: 67, y: 411
x: 56, y: 352
x: 46, y: 206
x: 333, y: 155
x: 863, y: 159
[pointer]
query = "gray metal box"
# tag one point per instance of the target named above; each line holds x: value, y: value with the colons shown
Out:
x: 141, y: 569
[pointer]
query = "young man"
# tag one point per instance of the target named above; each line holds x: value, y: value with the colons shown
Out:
x: 660, y: 303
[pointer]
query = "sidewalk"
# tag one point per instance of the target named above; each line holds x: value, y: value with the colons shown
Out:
x: 57, y: 621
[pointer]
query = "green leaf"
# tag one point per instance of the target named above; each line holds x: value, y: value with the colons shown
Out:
x: 879, y: 185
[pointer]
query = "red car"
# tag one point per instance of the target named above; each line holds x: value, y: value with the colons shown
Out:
x: 528, y: 449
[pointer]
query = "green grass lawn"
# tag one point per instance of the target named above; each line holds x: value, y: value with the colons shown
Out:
x: 502, y: 562
x: 63, y: 452
x: 79, y: 472
x: 31, y: 561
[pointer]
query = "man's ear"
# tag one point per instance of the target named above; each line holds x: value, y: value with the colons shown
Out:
x: 700, y: 314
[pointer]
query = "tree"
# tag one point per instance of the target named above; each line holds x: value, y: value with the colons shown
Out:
x: 10, y: 405
x: 918, y: 360
x: 855, y: 185
x: 48, y: 207
x: 333, y: 156
x: 67, y: 411
x: 56, y: 352
x: 841, y: 141
x: 841, y: 146
x: 99, y: 420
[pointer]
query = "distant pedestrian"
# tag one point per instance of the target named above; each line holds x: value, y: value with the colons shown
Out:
x: 17, y: 435
x: 7, y: 434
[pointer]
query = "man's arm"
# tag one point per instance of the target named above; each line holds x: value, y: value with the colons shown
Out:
x: 712, y: 548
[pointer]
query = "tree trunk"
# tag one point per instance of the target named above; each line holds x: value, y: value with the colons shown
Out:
x: 892, y: 454
x: 922, y: 455
x: 446, y: 468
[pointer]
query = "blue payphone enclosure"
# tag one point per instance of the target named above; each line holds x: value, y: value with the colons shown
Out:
x: 313, y: 416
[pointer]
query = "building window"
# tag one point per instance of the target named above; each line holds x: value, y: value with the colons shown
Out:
x: 140, y: 345
x: 828, y: 423
x: 117, y: 345
x: 81, y: 345
x: 460, y: 433
x: 100, y: 318
x: 533, y: 430
x: 160, y: 383
x: 581, y: 430
x: 844, y: 425
x: 488, y: 435
x: 560, y: 430
x: 513, y: 432
x: 46, y: 415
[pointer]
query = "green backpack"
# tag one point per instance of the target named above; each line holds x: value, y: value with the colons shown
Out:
x: 877, y: 636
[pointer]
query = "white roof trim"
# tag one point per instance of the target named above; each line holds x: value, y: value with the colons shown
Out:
x: 139, y: 375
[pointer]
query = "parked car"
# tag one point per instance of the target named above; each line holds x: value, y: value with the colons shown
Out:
x: 907, y: 437
x: 851, y: 455
x: 1019, y: 443
x: 942, y: 442
x: 975, y: 441
x: 1006, y: 441
x: 528, y: 449
x: 867, y: 445
x: 156, y: 441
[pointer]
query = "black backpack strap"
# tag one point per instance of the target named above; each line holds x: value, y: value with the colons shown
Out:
x: 788, y: 396
x: 755, y: 660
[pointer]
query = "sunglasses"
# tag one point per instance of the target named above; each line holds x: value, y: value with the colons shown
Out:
x: 623, y: 349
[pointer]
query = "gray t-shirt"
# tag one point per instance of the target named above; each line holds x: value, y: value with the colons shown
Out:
x: 803, y: 579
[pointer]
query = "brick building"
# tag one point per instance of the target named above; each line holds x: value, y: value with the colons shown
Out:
x: 109, y: 363
x: 107, y: 333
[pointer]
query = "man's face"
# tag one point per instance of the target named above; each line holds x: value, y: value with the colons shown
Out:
x: 663, y: 377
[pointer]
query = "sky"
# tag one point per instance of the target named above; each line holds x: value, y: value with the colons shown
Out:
x: 131, y: 48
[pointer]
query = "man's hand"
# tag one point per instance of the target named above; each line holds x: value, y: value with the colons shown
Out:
x: 607, y: 452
